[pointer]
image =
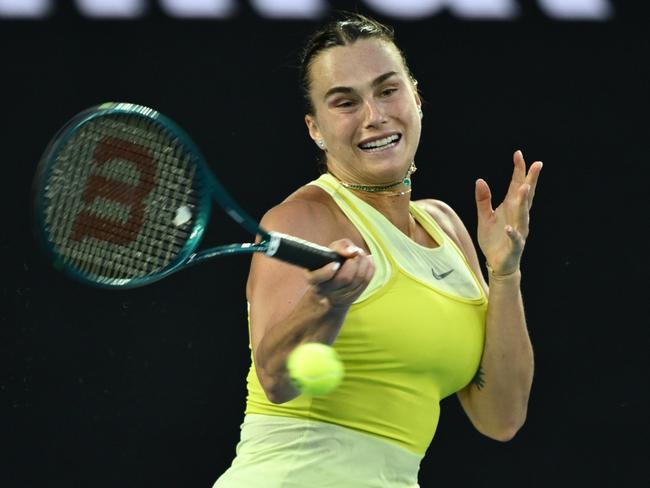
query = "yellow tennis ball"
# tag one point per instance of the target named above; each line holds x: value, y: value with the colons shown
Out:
x: 315, y: 368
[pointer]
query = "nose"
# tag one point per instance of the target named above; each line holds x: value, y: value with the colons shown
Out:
x: 374, y: 114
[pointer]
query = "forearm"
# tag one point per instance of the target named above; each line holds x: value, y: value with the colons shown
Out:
x: 499, y: 396
x: 312, y: 320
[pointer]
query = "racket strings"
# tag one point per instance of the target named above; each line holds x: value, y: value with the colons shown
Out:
x: 172, y: 184
x: 151, y: 252
x: 133, y: 203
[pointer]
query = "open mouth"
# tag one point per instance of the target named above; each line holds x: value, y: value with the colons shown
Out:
x: 381, y: 144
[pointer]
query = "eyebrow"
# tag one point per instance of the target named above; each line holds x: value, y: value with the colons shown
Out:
x: 346, y: 89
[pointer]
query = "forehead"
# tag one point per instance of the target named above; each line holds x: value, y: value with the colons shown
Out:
x: 355, y: 64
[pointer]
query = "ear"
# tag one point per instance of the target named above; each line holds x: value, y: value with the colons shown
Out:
x: 416, y: 94
x: 314, y: 132
x: 418, y: 100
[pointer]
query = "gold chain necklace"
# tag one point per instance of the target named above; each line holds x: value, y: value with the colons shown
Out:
x: 383, y: 189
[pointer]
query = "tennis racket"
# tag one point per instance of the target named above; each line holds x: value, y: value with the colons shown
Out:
x: 122, y: 198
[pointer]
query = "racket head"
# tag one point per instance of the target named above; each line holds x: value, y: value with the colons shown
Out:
x: 121, y: 196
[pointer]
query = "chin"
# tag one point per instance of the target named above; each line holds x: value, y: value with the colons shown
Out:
x: 389, y: 171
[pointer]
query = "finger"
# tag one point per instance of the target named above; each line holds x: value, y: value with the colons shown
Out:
x: 531, y: 178
x: 370, y: 271
x: 522, y: 209
x: 349, y: 282
x: 346, y: 248
x: 483, y: 199
x: 352, y: 274
x: 353, y: 287
x: 366, y: 270
x: 321, y: 275
x: 518, y: 172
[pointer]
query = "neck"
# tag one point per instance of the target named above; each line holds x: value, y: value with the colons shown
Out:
x: 386, y: 191
x: 397, y: 188
x: 391, y: 200
x: 388, y: 188
x: 394, y: 208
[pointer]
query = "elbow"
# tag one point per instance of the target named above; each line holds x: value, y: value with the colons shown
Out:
x: 280, y: 397
x: 502, y: 429
x: 273, y: 377
x: 506, y: 431
x: 277, y: 390
x: 277, y: 397
x: 504, y: 435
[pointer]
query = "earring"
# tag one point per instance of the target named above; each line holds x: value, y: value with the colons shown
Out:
x: 420, y: 112
x: 407, y: 178
x: 321, y: 144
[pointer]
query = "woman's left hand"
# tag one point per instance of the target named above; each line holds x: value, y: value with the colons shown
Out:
x: 502, y: 232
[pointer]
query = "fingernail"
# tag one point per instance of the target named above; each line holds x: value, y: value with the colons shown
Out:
x: 335, y: 266
x: 353, y: 249
x: 541, y: 165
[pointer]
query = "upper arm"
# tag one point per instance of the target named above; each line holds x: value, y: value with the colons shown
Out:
x: 275, y: 287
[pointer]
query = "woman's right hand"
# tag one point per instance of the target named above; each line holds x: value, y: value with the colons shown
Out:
x: 342, y: 283
x: 290, y: 305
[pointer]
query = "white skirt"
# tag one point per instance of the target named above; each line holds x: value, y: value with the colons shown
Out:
x: 283, y: 452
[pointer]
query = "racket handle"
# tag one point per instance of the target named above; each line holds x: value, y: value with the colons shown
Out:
x: 300, y: 252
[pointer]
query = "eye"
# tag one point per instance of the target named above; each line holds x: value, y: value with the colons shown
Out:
x: 344, y: 103
x: 386, y: 92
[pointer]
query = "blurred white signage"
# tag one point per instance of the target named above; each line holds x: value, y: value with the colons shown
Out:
x: 310, y: 9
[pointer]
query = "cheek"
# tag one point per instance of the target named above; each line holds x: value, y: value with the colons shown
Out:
x: 417, y: 124
x: 413, y: 120
x: 417, y: 131
x: 342, y: 131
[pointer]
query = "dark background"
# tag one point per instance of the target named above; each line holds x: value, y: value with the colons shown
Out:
x: 146, y: 388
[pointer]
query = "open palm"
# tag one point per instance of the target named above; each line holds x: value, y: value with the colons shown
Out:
x: 502, y: 232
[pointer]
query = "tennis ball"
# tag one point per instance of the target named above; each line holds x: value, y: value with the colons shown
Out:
x: 315, y: 368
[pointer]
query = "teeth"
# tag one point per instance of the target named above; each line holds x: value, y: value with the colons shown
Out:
x: 380, y: 142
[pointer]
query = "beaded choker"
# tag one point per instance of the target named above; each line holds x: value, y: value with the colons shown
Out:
x: 383, y: 189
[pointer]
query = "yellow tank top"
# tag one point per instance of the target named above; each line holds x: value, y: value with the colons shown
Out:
x: 414, y: 337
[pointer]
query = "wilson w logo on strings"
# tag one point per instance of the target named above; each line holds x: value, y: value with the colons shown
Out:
x: 130, y: 195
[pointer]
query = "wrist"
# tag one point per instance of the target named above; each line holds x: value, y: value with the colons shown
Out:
x: 500, y: 275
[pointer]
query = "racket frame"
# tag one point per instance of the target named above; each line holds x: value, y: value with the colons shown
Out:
x: 270, y: 243
x: 48, y: 163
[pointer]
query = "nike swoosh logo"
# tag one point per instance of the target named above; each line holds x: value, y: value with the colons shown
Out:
x: 440, y: 276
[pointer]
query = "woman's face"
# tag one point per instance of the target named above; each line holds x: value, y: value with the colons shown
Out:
x: 365, y: 111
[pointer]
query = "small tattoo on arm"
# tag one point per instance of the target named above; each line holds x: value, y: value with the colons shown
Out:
x: 479, y: 379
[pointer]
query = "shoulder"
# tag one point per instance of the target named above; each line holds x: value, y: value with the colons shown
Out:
x: 308, y: 213
x: 445, y: 217
x: 454, y: 227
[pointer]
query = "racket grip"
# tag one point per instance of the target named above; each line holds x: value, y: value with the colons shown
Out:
x: 300, y: 252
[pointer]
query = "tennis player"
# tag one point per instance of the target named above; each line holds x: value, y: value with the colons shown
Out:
x: 409, y: 311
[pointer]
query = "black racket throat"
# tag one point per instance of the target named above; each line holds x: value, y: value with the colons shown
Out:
x: 277, y: 245
x: 300, y: 252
